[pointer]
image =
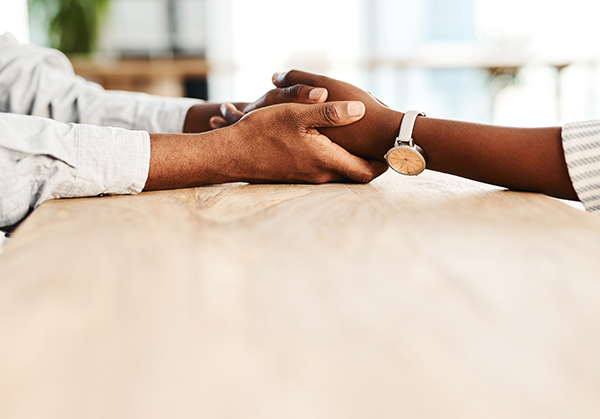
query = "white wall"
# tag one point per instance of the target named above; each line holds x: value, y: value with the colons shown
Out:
x: 13, y: 18
x: 249, y: 40
x: 142, y: 27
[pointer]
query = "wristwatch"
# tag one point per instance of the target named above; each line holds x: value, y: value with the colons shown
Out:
x: 406, y: 157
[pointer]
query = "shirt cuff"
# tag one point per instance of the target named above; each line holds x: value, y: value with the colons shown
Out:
x: 581, y: 145
x: 179, y: 110
x: 110, y: 161
x: 164, y: 115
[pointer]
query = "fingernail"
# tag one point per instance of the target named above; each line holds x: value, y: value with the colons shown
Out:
x: 317, y: 94
x: 276, y: 76
x: 223, y: 109
x: 356, y: 109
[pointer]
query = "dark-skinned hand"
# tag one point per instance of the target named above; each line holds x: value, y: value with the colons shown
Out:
x: 371, y: 137
x: 297, y: 93
x: 207, y: 116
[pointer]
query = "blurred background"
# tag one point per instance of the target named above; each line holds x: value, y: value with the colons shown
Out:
x: 515, y: 62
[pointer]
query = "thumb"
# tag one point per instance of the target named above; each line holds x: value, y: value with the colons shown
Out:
x: 330, y: 114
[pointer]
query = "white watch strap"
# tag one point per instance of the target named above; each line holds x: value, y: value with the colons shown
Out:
x: 406, y: 127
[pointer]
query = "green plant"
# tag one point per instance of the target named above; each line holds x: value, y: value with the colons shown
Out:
x: 73, y: 25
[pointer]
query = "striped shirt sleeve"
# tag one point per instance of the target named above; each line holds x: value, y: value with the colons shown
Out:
x: 581, y: 144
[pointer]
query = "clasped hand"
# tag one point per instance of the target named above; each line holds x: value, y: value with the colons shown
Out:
x: 368, y: 137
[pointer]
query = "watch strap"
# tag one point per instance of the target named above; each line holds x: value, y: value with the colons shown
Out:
x: 406, y: 127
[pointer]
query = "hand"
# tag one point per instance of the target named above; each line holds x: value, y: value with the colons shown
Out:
x: 497, y: 155
x: 281, y: 143
x: 278, y: 143
x: 298, y: 93
x: 372, y: 136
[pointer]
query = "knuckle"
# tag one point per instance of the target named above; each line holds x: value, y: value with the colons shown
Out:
x: 288, y: 75
x: 330, y: 113
x: 290, y: 115
x: 271, y: 95
x: 294, y: 91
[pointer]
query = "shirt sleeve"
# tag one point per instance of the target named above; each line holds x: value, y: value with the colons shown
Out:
x: 581, y: 144
x: 40, y: 82
x: 41, y: 159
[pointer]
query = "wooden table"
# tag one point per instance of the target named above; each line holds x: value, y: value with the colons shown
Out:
x: 428, y: 297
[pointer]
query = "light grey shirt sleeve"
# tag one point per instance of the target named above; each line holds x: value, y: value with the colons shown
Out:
x: 41, y: 82
x: 41, y: 159
x: 62, y: 136
x: 581, y: 144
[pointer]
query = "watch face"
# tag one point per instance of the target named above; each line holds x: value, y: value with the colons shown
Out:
x: 406, y: 160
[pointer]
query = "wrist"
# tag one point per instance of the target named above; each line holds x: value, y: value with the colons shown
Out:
x: 390, y: 128
x: 188, y: 160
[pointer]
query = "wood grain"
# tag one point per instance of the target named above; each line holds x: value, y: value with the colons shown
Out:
x: 428, y: 297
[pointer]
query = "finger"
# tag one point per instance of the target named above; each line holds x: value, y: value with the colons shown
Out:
x: 353, y: 167
x: 230, y: 113
x: 217, y: 122
x: 291, y: 77
x: 379, y: 168
x: 331, y: 114
x: 298, y: 93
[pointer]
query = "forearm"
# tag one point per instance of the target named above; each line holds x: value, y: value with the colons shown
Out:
x: 186, y: 160
x: 527, y: 159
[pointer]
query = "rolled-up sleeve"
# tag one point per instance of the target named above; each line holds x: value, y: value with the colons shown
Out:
x: 43, y: 159
x: 581, y: 145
